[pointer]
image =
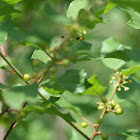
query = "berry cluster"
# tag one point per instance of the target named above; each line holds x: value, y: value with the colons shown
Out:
x: 121, y: 81
x: 111, y: 106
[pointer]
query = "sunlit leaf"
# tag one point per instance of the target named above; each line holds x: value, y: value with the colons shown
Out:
x: 76, y: 5
x: 113, y: 63
x: 109, y: 6
x: 3, y: 37
x: 15, y: 97
x: 41, y: 55
x: 73, y: 80
x: 96, y: 88
x: 130, y: 70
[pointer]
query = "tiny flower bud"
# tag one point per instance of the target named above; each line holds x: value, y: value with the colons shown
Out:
x: 113, y: 78
x: 84, y: 32
x: 111, y: 82
x: 117, y: 72
x: 126, y: 88
x: 119, y: 89
x: 115, y: 86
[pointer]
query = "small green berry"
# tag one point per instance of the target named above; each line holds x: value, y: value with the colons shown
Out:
x: 99, y: 121
x: 113, y: 103
x: 104, y: 137
x: 84, y: 124
x: 104, y: 100
x: 65, y: 62
x: 118, y: 111
x: 21, y: 115
x: 26, y: 77
x: 34, y: 74
x: 100, y: 107
x: 36, y: 63
x: 117, y: 106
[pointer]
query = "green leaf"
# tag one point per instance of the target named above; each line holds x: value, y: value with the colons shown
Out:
x: 76, y: 5
x: 76, y: 136
x: 134, y: 18
x: 114, y: 53
x: 113, y: 63
x: 134, y: 4
x: 96, y: 88
x: 123, y: 55
x: 12, y: 2
x: 2, y: 86
x: 55, y: 90
x: 109, y: 6
x: 134, y: 23
x: 52, y: 110
x: 65, y: 103
x: 3, y: 37
x: 73, y: 80
x: 88, y: 20
x: 13, y: 32
x: 131, y: 134
x: 7, y: 7
x: 15, y: 97
x: 110, y: 45
x: 41, y: 55
x: 130, y: 71
x: 50, y: 101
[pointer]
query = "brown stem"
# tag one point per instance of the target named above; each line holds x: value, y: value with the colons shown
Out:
x: 81, y: 132
x: 12, y: 66
x: 14, y: 123
x: 75, y: 127
x: 88, y: 121
x: 9, y: 130
x: 102, y: 115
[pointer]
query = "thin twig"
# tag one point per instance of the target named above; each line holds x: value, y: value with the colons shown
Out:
x: 81, y: 132
x: 9, y: 130
x: 14, y: 123
x: 88, y: 121
x: 12, y: 66
x: 75, y: 127
x: 102, y: 115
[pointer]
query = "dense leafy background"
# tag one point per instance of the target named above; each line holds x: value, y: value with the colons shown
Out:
x: 112, y: 41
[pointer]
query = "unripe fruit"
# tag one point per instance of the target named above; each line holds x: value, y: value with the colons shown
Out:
x: 34, y: 74
x: 104, y: 100
x: 99, y: 121
x: 118, y: 111
x: 100, y: 107
x: 26, y: 77
x: 20, y: 116
x: 36, y: 63
x: 104, y: 137
x: 113, y: 103
x: 65, y: 62
x: 53, y: 69
x: 84, y: 124
x: 117, y: 106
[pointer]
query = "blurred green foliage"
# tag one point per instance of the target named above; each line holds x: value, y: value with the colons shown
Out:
x: 113, y: 42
